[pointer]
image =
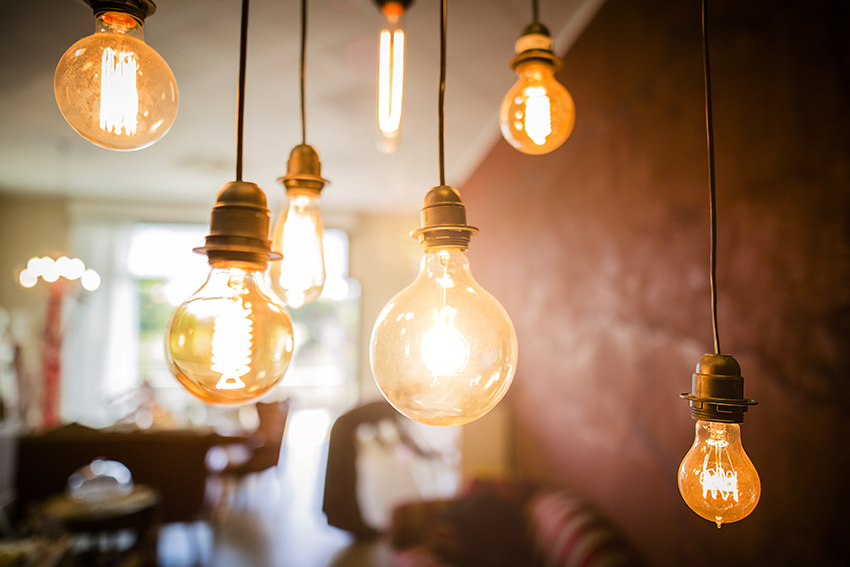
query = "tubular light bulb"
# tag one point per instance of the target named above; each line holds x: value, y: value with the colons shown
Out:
x: 538, y: 113
x: 390, y: 76
x: 113, y: 89
x: 717, y: 480
x: 300, y: 276
x: 230, y: 342
x: 444, y: 351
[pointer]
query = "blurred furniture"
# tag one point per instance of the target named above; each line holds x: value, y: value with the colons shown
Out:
x: 503, y: 524
x: 170, y: 462
x: 99, y: 527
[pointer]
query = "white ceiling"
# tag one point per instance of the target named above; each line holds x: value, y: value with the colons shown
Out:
x: 41, y: 154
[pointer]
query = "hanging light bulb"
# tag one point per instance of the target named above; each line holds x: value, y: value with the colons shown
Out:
x: 111, y: 87
x: 717, y: 480
x: 537, y: 113
x: 391, y: 72
x: 300, y: 276
x: 232, y: 341
x: 444, y: 351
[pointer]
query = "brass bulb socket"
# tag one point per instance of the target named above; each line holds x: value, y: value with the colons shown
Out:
x: 138, y: 9
x: 303, y: 171
x: 717, y: 390
x: 443, y: 220
x: 239, y: 228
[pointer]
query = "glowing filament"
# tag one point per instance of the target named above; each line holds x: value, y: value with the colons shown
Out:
x: 715, y: 480
x: 119, y: 99
x: 231, y: 347
x: 390, y: 80
x: 538, y: 115
x: 444, y: 350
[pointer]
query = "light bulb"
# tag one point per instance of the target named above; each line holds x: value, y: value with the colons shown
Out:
x: 113, y: 89
x: 717, y: 480
x: 390, y: 75
x: 537, y: 113
x: 230, y: 342
x: 300, y: 276
x: 444, y: 351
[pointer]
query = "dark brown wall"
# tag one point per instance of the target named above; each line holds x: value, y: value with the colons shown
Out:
x: 599, y: 251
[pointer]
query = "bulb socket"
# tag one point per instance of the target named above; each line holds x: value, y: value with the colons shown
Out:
x: 535, y: 44
x: 138, y: 9
x: 304, y: 171
x: 443, y: 220
x: 239, y: 228
x: 717, y: 390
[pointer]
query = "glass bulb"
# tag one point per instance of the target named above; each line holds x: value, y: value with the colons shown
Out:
x: 444, y: 351
x: 300, y: 276
x: 390, y: 76
x: 538, y: 113
x: 717, y: 480
x: 230, y: 342
x: 113, y: 89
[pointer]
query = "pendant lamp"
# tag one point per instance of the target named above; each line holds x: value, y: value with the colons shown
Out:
x: 443, y: 351
x: 391, y: 45
x: 717, y: 480
x: 231, y: 342
x: 300, y: 276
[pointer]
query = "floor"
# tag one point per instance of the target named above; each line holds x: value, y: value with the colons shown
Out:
x: 273, y: 520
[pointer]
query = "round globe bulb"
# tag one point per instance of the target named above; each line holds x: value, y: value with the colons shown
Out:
x: 444, y: 351
x: 717, y: 480
x: 537, y: 114
x: 230, y: 342
x: 113, y: 89
x: 300, y: 276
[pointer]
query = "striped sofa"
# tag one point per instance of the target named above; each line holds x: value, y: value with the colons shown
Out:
x: 508, y: 525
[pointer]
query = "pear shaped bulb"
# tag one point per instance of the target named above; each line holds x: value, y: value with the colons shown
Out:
x: 537, y: 113
x: 717, y: 480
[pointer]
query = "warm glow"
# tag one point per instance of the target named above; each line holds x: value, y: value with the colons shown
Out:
x: 390, y: 81
x: 51, y: 270
x: 231, y: 346
x: 90, y: 280
x: 300, y: 276
x: 443, y: 351
x: 119, y: 99
x: 717, y: 480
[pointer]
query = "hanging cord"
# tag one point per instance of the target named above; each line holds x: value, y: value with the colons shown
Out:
x: 535, y: 12
x: 442, y: 101
x: 709, y: 128
x: 303, y: 67
x: 240, y: 95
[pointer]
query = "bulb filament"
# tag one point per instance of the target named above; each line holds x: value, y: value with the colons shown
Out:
x: 538, y: 115
x: 231, y: 346
x: 119, y: 99
x: 717, y: 481
x: 390, y: 80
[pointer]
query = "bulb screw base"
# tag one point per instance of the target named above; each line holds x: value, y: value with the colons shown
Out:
x: 304, y: 171
x: 239, y: 228
x: 535, y: 44
x: 717, y: 390
x: 443, y: 220
x: 138, y: 9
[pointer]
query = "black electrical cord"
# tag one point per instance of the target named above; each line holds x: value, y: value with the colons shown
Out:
x: 303, y: 67
x: 240, y: 95
x: 709, y: 128
x: 535, y: 12
x: 442, y: 98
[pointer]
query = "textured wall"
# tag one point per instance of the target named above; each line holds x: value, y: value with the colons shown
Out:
x: 599, y: 252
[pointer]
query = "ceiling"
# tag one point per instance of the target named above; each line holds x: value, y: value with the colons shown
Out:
x: 41, y: 154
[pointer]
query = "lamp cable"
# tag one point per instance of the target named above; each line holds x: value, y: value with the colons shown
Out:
x: 303, y: 69
x: 240, y: 94
x: 712, y: 208
x: 442, y: 98
x: 535, y: 12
